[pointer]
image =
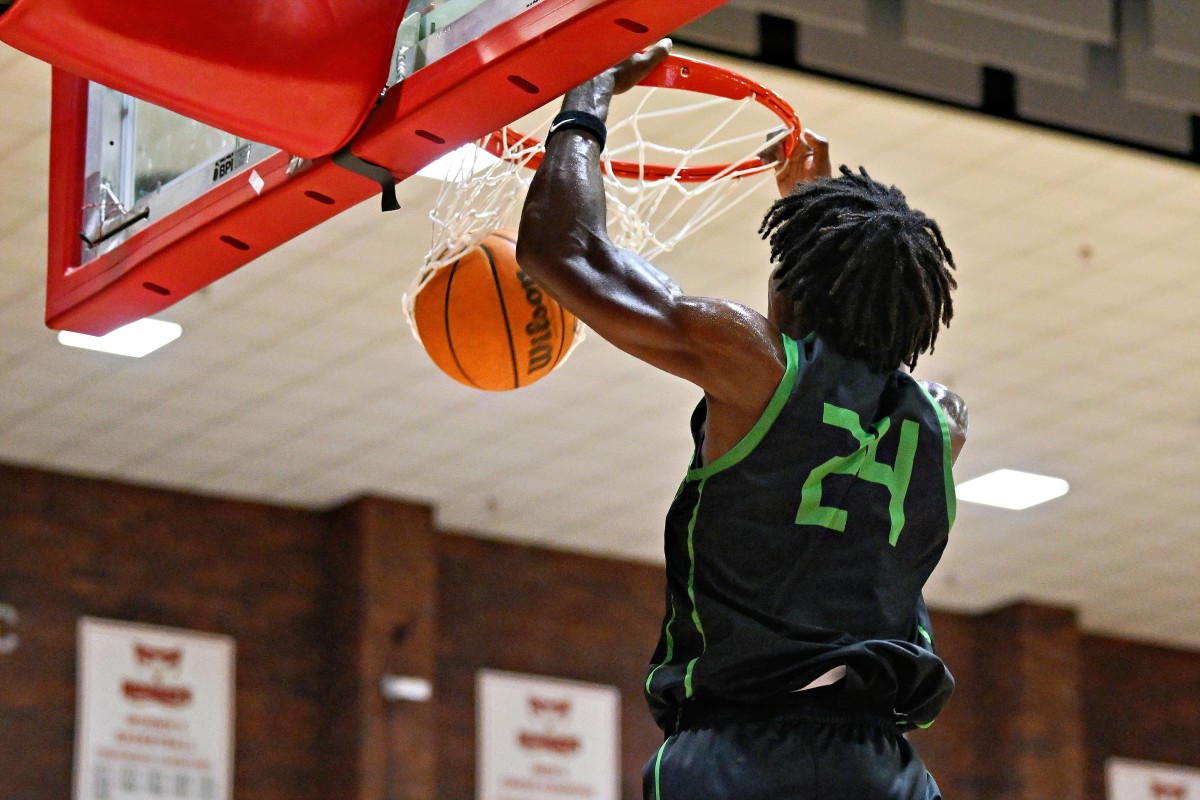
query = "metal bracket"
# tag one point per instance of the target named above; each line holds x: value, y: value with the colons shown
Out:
x: 110, y: 224
x: 381, y: 175
x: 125, y: 223
x: 404, y: 51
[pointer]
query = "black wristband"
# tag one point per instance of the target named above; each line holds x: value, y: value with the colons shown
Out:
x: 579, y: 120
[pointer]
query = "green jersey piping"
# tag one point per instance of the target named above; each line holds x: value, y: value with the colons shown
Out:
x: 687, y: 678
x: 670, y: 647
x: 751, y: 440
x: 947, y: 457
x: 925, y: 635
x: 658, y: 770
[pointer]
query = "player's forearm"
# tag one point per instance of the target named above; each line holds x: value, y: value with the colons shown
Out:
x: 564, y: 246
x: 564, y: 224
x: 563, y: 242
x: 564, y: 215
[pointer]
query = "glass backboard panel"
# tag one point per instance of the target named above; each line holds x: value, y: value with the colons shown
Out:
x: 143, y: 162
x: 167, y: 146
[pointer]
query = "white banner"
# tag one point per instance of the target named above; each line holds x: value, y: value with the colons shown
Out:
x: 1142, y: 780
x: 546, y: 739
x: 154, y: 713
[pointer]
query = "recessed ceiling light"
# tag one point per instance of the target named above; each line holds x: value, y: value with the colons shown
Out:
x: 466, y: 160
x: 135, y: 339
x: 1009, y: 488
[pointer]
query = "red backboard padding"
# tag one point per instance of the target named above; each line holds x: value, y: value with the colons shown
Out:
x: 300, y: 75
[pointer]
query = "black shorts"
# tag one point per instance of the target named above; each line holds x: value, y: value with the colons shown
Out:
x: 792, y: 755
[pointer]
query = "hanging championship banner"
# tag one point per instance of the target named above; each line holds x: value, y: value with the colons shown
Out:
x: 154, y: 713
x: 546, y: 739
x: 1142, y: 780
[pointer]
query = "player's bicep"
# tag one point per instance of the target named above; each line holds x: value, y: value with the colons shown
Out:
x: 641, y: 310
x: 718, y: 345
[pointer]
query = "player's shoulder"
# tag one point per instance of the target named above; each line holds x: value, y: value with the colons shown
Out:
x: 735, y: 354
x: 731, y: 333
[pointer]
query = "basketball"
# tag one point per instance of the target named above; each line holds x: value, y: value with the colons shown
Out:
x: 486, y: 324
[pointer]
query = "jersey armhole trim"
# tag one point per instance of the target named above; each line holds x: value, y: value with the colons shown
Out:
x: 751, y: 440
x: 947, y: 455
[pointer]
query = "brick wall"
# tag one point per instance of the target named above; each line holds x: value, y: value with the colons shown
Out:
x: 949, y: 747
x: 71, y: 547
x: 322, y: 603
x: 1140, y: 702
x: 541, y: 612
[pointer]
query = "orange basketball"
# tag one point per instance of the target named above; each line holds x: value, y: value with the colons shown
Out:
x: 485, y: 323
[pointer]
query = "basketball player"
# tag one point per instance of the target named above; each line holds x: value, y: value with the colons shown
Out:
x: 796, y: 648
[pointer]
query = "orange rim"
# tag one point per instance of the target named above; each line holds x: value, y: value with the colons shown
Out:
x: 680, y: 72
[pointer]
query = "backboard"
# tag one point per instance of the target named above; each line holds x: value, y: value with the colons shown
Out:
x: 148, y: 206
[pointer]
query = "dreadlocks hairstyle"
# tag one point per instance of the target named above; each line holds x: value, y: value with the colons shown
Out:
x: 866, y: 271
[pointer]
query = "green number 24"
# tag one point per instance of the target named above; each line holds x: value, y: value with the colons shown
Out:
x: 862, y: 464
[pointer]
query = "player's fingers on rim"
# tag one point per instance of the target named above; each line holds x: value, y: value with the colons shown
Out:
x: 772, y: 154
x: 660, y: 49
x: 634, y: 69
x: 819, y: 146
x: 650, y: 58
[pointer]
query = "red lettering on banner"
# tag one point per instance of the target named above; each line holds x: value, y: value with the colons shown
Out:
x: 558, y: 708
x: 563, y: 745
x: 157, y: 723
x: 1168, y: 791
x: 153, y: 741
x: 202, y: 764
x: 167, y: 656
x: 565, y: 789
x: 124, y: 755
x: 152, y: 664
x: 171, y: 696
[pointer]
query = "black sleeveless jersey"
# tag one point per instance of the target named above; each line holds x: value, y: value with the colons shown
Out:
x: 805, y: 548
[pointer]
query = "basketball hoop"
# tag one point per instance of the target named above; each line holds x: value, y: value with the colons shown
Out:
x: 651, y: 206
x: 685, y: 74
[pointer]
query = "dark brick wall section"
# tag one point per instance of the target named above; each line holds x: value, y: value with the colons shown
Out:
x: 1028, y: 666
x: 71, y: 547
x: 383, y: 616
x: 339, y: 733
x: 502, y: 606
x: 1140, y: 702
x: 948, y: 747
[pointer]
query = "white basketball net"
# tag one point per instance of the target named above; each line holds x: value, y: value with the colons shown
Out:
x: 646, y: 216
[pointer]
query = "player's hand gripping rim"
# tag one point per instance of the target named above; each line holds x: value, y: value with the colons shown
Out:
x: 808, y: 162
x: 633, y: 70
